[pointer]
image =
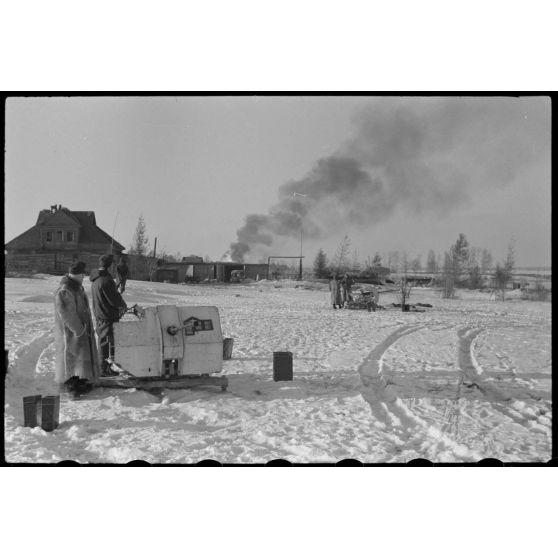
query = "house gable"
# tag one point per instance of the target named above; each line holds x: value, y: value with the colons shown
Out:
x: 58, y: 230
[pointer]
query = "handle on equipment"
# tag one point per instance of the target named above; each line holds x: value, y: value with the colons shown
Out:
x: 190, y: 328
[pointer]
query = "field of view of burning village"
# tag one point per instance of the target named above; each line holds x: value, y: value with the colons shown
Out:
x: 250, y: 279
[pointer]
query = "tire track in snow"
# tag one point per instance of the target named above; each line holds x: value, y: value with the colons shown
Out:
x: 472, y: 371
x: 27, y: 356
x: 470, y: 368
x: 410, y: 431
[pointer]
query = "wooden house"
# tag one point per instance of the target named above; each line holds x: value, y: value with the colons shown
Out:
x: 59, y: 237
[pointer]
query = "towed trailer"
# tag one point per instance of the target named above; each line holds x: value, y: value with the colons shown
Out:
x: 168, y: 347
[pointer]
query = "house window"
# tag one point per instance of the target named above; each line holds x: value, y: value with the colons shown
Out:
x: 49, y: 236
x: 69, y: 236
x: 58, y: 236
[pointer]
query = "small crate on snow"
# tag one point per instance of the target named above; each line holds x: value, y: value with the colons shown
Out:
x: 282, y: 366
x: 227, y: 348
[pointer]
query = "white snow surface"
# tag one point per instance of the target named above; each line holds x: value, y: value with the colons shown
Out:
x: 467, y: 379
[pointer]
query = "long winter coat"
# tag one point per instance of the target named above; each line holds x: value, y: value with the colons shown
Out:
x: 108, y: 305
x: 336, y: 299
x: 76, y: 353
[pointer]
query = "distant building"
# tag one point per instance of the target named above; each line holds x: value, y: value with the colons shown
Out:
x: 376, y: 274
x: 197, y: 272
x: 59, y: 237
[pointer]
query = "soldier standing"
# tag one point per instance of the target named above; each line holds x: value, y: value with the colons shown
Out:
x: 108, y: 308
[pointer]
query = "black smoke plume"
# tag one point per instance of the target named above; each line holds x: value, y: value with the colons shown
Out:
x: 414, y: 154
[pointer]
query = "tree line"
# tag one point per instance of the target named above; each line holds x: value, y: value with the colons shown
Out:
x: 460, y: 266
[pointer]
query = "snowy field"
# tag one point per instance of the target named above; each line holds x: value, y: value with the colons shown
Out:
x: 467, y: 379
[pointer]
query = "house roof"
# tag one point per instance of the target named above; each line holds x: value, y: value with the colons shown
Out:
x: 89, y: 232
x: 28, y: 239
x: 62, y: 215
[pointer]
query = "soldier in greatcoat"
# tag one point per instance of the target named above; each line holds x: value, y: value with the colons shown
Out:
x: 335, y: 292
x: 76, y: 353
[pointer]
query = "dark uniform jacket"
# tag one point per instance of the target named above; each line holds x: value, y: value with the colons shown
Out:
x: 108, y: 305
x: 122, y: 270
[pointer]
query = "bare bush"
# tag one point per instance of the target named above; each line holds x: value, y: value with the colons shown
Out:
x: 540, y: 293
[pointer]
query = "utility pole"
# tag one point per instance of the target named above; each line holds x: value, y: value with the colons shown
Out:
x: 113, y: 231
x: 154, y: 260
x: 295, y: 194
x: 300, y: 261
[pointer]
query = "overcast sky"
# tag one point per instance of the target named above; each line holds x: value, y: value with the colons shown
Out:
x: 406, y: 174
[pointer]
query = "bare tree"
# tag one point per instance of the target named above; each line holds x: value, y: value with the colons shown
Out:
x: 504, y: 273
x: 404, y: 292
x: 355, y: 264
x: 440, y: 262
x: 486, y: 261
x: 416, y: 264
x: 341, y: 258
x: 320, y: 265
x: 448, y: 277
x: 540, y: 291
x: 475, y: 277
x: 140, y: 241
x: 393, y: 260
x: 474, y: 270
x: 431, y: 264
x: 459, y: 254
x: 500, y: 279
x: 377, y: 261
x: 405, y: 264
x: 509, y: 263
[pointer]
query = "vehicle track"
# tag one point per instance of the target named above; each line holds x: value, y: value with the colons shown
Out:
x: 404, y: 420
x: 470, y: 368
x: 499, y: 397
x: 410, y: 431
x: 26, y: 358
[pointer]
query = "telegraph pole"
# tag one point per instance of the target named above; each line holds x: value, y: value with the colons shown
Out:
x: 113, y: 231
x: 154, y: 260
x: 300, y: 261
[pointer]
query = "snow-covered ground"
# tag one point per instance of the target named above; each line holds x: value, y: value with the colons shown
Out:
x: 467, y: 379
